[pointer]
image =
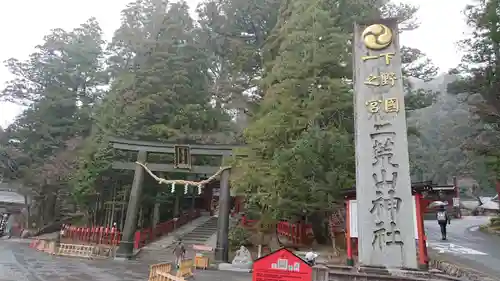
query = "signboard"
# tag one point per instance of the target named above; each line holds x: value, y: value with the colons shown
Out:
x: 383, y: 185
x: 182, y: 154
x: 353, y: 218
x: 456, y: 202
x: 281, y: 265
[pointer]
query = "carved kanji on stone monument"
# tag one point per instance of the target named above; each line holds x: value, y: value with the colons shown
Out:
x: 385, y: 213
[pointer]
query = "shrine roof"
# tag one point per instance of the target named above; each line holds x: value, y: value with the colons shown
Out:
x: 139, y: 143
x: 416, y: 187
x: 277, y: 251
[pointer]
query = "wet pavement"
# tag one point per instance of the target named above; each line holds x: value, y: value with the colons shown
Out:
x: 18, y: 262
x: 466, y: 245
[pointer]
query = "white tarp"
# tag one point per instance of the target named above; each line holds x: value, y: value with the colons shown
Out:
x: 353, y: 218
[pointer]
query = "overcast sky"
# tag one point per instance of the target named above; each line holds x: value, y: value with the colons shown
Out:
x: 23, y: 24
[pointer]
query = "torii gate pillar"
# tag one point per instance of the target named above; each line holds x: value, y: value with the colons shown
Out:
x: 126, y: 248
x: 222, y: 248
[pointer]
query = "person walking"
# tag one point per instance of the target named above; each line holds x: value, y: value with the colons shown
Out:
x: 9, y: 227
x: 179, y: 252
x: 3, y: 224
x: 443, y: 221
x: 60, y: 235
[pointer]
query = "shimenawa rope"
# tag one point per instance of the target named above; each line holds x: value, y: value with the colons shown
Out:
x: 198, y: 184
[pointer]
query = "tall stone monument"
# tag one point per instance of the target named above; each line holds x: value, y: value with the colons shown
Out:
x: 383, y: 184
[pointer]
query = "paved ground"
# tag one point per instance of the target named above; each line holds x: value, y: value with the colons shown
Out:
x: 18, y: 262
x: 466, y: 244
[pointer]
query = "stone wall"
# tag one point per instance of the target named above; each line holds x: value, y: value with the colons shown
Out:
x: 440, y: 270
x: 459, y: 271
x: 347, y: 273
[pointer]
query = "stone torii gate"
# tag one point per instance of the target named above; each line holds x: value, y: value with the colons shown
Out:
x: 182, y: 164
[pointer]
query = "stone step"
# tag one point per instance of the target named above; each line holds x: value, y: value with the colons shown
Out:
x: 184, y: 240
x: 193, y: 238
x: 199, y: 234
x: 207, y: 226
x: 194, y: 235
x: 204, y: 231
x: 194, y: 241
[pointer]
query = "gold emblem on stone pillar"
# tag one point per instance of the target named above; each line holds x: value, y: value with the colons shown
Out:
x: 377, y: 37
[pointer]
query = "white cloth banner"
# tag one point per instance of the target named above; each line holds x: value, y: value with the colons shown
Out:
x: 353, y: 218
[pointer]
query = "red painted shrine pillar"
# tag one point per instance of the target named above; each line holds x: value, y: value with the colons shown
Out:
x: 238, y: 204
x: 498, y: 190
x: 350, y: 260
x: 422, y: 247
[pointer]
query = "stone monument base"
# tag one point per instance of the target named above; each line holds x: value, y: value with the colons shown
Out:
x: 242, y: 262
x: 231, y: 267
x: 347, y: 273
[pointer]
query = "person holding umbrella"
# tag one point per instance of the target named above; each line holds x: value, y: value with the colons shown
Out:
x: 443, y: 220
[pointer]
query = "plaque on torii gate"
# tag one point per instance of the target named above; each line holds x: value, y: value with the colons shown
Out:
x: 182, y: 157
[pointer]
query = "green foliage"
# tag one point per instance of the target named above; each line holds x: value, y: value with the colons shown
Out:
x: 299, y: 148
x: 479, y: 81
x: 300, y: 141
x: 495, y: 221
x: 239, y: 236
x: 163, y: 96
x: 273, y: 74
x: 439, y: 154
x: 234, y: 33
x: 59, y: 83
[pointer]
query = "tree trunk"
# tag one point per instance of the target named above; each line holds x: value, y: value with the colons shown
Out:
x: 318, y: 226
x: 332, y: 238
x: 274, y: 241
x: 48, y: 209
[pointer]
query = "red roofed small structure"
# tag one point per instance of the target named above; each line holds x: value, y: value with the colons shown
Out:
x: 281, y: 265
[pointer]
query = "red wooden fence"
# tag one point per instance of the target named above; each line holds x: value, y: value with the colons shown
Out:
x: 93, y: 235
x: 297, y: 233
x: 148, y: 235
x: 112, y: 236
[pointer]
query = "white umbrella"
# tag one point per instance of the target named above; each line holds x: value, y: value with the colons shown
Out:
x: 437, y: 204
